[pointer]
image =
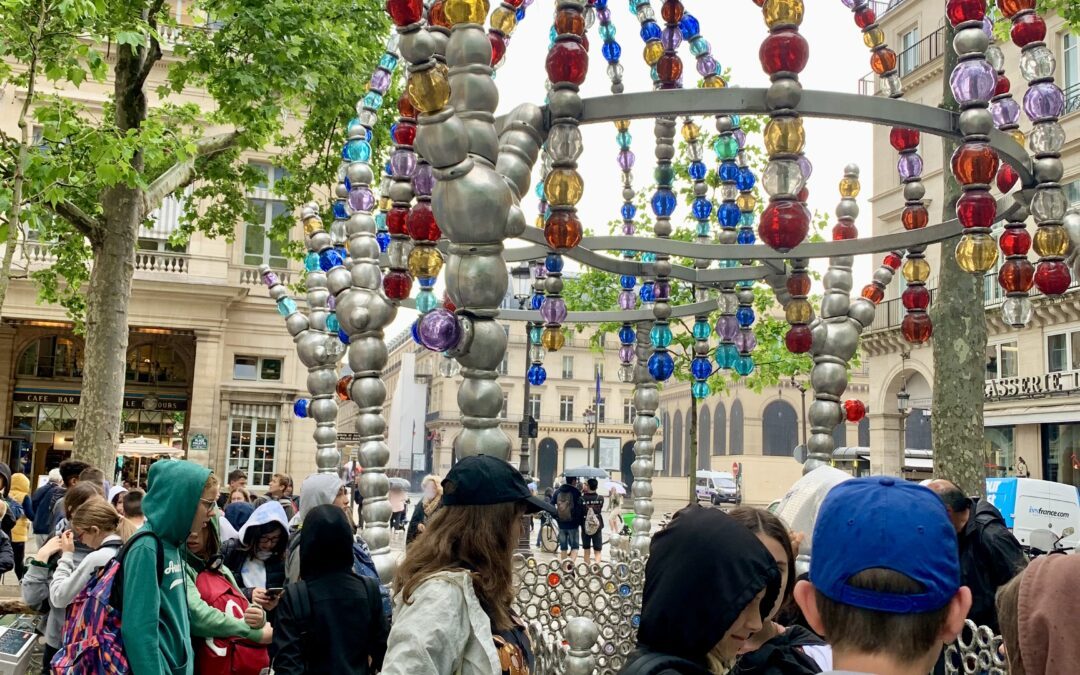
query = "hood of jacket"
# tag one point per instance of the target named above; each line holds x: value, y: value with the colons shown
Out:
x: 1046, y: 615
x: 5, y: 473
x: 317, y: 489
x: 270, y: 512
x: 703, y: 569
x: 567, y: 487
x: 984, y: 513
x: 238, y: 513
x: 20, y: 486
x: 174, y: 488
x: 327, y: 544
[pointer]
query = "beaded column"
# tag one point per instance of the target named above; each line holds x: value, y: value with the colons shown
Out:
x: 798, y: 311
x: 661, y: 364
x: 398, y: 282
x: 700, y: 366
x: 726, y: 147
x: 646, y: 400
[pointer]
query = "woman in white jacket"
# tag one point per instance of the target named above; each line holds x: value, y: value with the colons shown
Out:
x: 452, y: 611
x: 98, y: 526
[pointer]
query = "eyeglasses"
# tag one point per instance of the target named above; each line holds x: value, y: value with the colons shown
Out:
x: 210, y: 504
x: 270, y: 538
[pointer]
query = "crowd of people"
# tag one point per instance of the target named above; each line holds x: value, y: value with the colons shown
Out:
x: 194, y: 577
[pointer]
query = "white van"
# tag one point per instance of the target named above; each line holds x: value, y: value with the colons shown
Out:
x: 717, y: 487
x: 1028, y: 504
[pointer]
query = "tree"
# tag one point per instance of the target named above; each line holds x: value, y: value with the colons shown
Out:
x: 100, y: 174
x: 960, y: 341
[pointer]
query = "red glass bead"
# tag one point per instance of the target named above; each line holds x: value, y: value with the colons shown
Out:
x: 903, y: 139
x: 567, y: 61
x: 759, y: 3
x: 568, y: 20
x: 672, y: 11
x: 873, y: 293
x: 343, y: 387
x: 917, y: 328
x: 1052, y: 277
x: 397, y: 285
x: 1001, y: 85
x: 448, y: 304
x: 563, y: 230
x: 585, y: 42
x: 784, y: 224
x: 893, y: 261
x: 975, y: 163
x: 514, y: 3
x: 803, y: 195
x: 498, y: 47
x: 437, y: 15
x: 845, y: 229
x: 669, y: 68
x: 960, y: 11
x: 883, y: 60
x: 1027, y: 29
x: 421, y: 223
x: 1006, y: 178
x: 854, y: 410
x: 405, y: 12
x: 1016, y: 276
x: 396, y: 220
x: 798, y: 284
x: 798, y: 339
x: 976, y: 208
x: 784, y: 51
x: 914, y: 217
x: 1012, y: 7
x: 404, y: 133
x: 1015, y: 241
x: 865, y: 17
x: 915, y: 297
x: 405, y: 107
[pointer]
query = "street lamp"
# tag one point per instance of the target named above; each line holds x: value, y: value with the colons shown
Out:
x: 801, y: 386
x: 903, y: 406
x: 590, y: 425
x: 522, y: 280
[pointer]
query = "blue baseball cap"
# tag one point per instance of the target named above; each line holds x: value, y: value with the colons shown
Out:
x: 889, y: 523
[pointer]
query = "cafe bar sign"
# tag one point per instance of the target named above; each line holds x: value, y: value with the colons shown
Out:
x: 1051, y: 384
x: 130, y: 402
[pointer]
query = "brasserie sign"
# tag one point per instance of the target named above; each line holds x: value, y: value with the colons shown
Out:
x: 1050, y: 384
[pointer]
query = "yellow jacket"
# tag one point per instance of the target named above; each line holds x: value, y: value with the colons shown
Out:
x: 20, y: 488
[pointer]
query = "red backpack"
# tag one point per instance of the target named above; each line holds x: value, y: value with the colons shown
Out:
x: 226, y: 656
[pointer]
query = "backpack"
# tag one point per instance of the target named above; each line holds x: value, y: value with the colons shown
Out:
x: 564, y: 506
x: 226, y: 656
x: 364, y: 566
x: 592, y: 523
x: 92, y: 641
x: 300, y: 599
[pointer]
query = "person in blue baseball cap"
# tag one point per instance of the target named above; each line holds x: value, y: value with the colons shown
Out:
x: 884, y: 585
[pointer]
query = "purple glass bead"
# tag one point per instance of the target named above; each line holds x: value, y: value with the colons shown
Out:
x: 331, y: 302
x: 910, y: 165
x: 972, y: 81
x: 626, y: 353
x: 706, y: 65
x: 627, y: 300
x: 439, y: 330
x: 423, y: 180
x: 628, y: 227
x: 727, y: 327
x: 553, y: 310
x: 988, y: 26
x: 1005, y: 111
x: 805, y: 167
x: 626, y: 160
x: 604, y: 15
x: 269, y: 278
x: 403, y: 163
x: 1043, y: 101
x: 663, y: 290
x: 380, y: 81
x: 745, y: 341
x: 361, y: 199
x: 671, y: 38
x: 740, y: 138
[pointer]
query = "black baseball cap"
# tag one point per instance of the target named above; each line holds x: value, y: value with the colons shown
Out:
x: 483, y: 479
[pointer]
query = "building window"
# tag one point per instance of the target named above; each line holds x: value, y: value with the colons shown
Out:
x: 568, y: 367
x: 1060, y: 453
x: 534, y: 405
x: 505, y: 405
x: 50, y: 357
x: 253, y: 442
x: 598, y: 370
x: 254, y: 368
x: 1001, y: 360
x: 1063, y: 352
x: 601, y: 339
x: 149, y: 424
x: 601, y: 410
x: 909, y: 51
x: 155, y: 364
x: 1072, y: 190
x: 1000, y: 451
x: 259, y: 248
x: 1071, y: 85
x: 504, y: 366
x: 628, y: 411
x: 566, y: 408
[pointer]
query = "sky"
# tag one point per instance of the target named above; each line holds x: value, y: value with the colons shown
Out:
x: 735, y: 29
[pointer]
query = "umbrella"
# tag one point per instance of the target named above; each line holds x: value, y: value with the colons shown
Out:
x: 586, y: 472
x: 605, y: 487
x: 400, y: 484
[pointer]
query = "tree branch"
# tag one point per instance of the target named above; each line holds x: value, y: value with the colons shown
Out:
x: 153, y: 53
x: 181, y: 174
x: 87, y: 225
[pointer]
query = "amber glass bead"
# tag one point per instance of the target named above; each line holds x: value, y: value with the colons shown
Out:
x: 563, y: 230
x: 746, y: 201
x: 503, y: 20
x: 466, y: 11
x: 1019, y: 137
x: 622, y: 125
x: 783, y: 12
x: 798, y: 311
x: 914, y: 217
x: 1016, y: 276
x: 653, y: 51
x: 976, y: 253
x: 916, y: 270
x: 917, y: 327
x: 975, y: 163
x: 569, y: 21
x: 437, y: 14
x: 563, y: 187
x: 343, y: 387
x: 784, y: 136
x: 784, y: 51
x: 713, y: 82
x: 873, y: 293
x: 1051, y: 241
x: 405, y: 107
x: 405, y: 12
x: 883, y: 60
x: 1015, y: 241
x: 567, y: 61
x: 1052, y: 277
x: 425, y: 261
x: 849, y: 187
x: 798, y: 284
x: 873, y: 38
x: 429, y: 89
x: 539, y: 222
x: 915, y: 297
x: 312, y: 225
x: 1011, y: 7
x: 669, y: 68
x: 690, y: 132
x: 672, y: 11
x: 552, y: 339
x: 385, y: 203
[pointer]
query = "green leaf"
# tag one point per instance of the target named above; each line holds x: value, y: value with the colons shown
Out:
x: 131, y: 38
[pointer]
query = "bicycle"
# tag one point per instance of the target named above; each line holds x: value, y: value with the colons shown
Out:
x: 549, y: 533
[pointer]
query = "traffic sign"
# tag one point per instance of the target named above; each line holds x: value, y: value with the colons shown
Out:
x: 735, y: 469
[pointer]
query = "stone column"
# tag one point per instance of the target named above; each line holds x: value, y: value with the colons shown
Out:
x: 886, y: 453
x: 205, y: 403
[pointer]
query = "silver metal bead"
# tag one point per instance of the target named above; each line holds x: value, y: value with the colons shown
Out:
x: 553, y: 285
x: 821, y: 444
x: 487, y: 349
x: 646, y: 399
x: 320, y: 241
x: 914, y: 191
x: 340, y: 192
x: 359, y: 173
x: 862, y: 310
x: 847, y: 208
x: 1048, y: 169
x: 325, y: 434
x: 401, y: 191
x: 745, y: 296
x: 417, y: 46
x: 970, y: 41
x: 825, y: 413
x: 565, y: 103
x: 829, y: 378
x: 662, y: 268
x: 323, y: 409
x: 328, y: 459
x: 367, y: 354
x: 838, y: 279
x: 296, y: 323
x: 478, y: 280
x: 883, y: 275
x: 367, y: 392
x: 472, y: 209
x: 834, y: 304
x: 976, y: 122
x: 338, y: 279
x: 370, y: 424
x: 363, y: 248
x: 321, y: 381
x: 468, y: 45
x: 662, y: 311
x: 441, y: 139
x: 515, y: 222
x: 783, y: 93
x: 479, y: 398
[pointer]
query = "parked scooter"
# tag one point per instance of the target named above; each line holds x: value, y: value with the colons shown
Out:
x: 1043, y: 542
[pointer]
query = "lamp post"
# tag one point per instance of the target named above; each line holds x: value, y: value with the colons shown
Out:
x: 801, y: 386
x: 590, y: 427
x: 522, y: 292
x: 903, y: 406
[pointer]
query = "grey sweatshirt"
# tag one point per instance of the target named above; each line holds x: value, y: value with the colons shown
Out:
x: 35, y: 590
x: 317, y: 489
x: 69, y: 578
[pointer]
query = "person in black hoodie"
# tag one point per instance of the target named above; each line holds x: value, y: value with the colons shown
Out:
x: 709, y: 583
x: 351, y: 642
x: 570, y: 515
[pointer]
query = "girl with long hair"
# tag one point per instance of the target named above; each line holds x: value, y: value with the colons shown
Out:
x: 97, y: 526
x: 455, y: 586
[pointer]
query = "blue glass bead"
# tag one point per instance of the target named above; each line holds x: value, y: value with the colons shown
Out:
x: 537, y: 375
x: 663, y: 203
x: 700, y: 368
x: 300, y: 407
x: 726, y: 354
x: 650, y: 31
x: 629, y: 254
x: 384, y: 241
x: 647, y: 292
x: 736, y: 121
x: 745, y: 316
x: 340, y: 212
x: 702, y: 208
x: 648, y: 256
x: 286, y: 306
x: 311, y: 261
x: 343, y: 336
x: 427, y: 283
x: 600, y: 4
x: 744, y: 365
x: 627, y: 334
x: 689, y: 26
x: 660, y: 336
x: 520, y: 14
x: 356, y: 150
x: 373, y: 100
x: 703, y: 229
x: 415, y: 329
x: 348, y: 183
x: 539, y: 190
x: 745, y: 180
x: 746, y: 283
x: 536, y: 333
x: 611, y: 52
x: 729, y: 171
x: 425, y: 302
x: 746, y: 236
x: 607, y: 32
x: 553, y: 262
x: 699, y: 46
x: 700, y: 390
x: 702, y: 330
x: 747, y: 219
x: 329, y: 259
x: 388, y: 62
x: 387, y: 170
x: 537, y: 300
x: 728, y: 214
x: 340, y: 248
x: 332, y: 324
x: 661, y: 366
x: 627, y: 281
x: 635, y: 620
x: 625, y: 590
x: 380, y: 221
x: 628, y: 211
x: 697, y: 170
x: 654, y: 74
x: 623, y: 138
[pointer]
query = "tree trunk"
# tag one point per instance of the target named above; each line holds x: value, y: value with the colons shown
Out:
x: 692, y: 430
x: 959, y: 344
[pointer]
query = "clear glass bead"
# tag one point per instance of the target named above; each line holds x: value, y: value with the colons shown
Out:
x: 891, y: 85
x: 728, y: 192
x: 398, y: 253
x: 590, y: 17
x: 626, y: 374
x: 564, y: 143
x: 1037, y: 63
x: 645, y: 13
x: 537, y: 354
x: 615, y: 71
x: 367, y: 117
x: 1016, y: 311
x: 1049, y: 204
x: 392, y: 42
x: 694, y: 152
x: 728, y: 303
x: 1046, y: 137
x: 783, y: 177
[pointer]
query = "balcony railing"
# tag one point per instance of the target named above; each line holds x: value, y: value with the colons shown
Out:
x: 40, y: 253
x: 249, y: 276
x: 1072, y: 98
x: 910, y: 61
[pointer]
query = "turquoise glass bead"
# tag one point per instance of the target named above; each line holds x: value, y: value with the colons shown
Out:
x: 426, y: 301
x: 286, y: 306
x: 373, y: 100
x: 702, y: 330
x: 388, y: 62
x: 660, y: 336
x: 744, y: 365
x: 623, y: 138
x: 700, y: 46
x: 700, y: 390
x: 311, y: 261
x: 356, y: 150
x: 332, y: 324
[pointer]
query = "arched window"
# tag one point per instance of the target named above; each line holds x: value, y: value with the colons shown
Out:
x: 736, y: 444
x: 704, y: 436
x: 676, y: 446
x: 155, y: 364
x: 779, y: 429
x: 664, y: 439
x: 658, y: 459
x: 839, y: 435
x: 719, y: 446
x: 51, y: 356
x: 864, y: 432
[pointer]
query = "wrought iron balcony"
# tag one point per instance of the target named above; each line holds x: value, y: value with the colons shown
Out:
x: 911, y: 61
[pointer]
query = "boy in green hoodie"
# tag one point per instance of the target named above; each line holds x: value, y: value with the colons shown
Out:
x: 155, y: 624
